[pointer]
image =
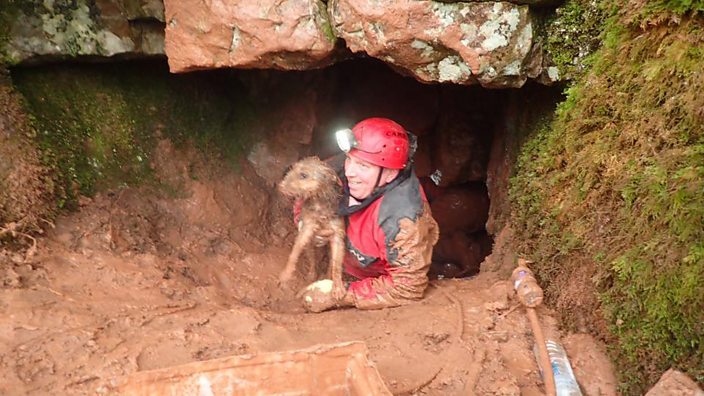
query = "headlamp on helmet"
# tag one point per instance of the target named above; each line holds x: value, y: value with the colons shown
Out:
x: 379, y: 141
x: 345, y: 140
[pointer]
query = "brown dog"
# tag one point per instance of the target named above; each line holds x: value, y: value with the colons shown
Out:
x: 315, y: 184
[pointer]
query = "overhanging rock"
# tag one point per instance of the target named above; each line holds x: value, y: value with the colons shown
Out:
x: 277, y: 34
x: 463, y: 43
x: 44, y: 30
x: 487, y: 43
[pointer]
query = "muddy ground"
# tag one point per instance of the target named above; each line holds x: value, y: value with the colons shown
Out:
x: 185, y: 270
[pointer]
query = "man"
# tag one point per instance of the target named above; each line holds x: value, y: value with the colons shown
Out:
x: 390, y: 230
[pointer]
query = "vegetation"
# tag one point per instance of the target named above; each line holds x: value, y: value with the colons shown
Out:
x: 97, y: 124
x: 609, y: 195
x: 572, y: 33
x: 24, y: 181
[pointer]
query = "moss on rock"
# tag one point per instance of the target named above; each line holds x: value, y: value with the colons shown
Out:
x: 96, y: 124
x: 571, y: 34
x: 608, y: 198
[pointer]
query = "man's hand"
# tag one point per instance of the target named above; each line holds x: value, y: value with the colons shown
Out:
x: 319, y: 296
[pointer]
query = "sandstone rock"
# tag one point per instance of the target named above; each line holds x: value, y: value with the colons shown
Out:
x: 286, y: 35
x: 103, y: 28
x: 463, y: 43
x: 461, y: 208
x: 459, y: 254
x: 432, y: 191
x: 386, y: 93
x: 497, y: 179
x: 461, y: 150
x: 422, y: 159
x: 285, y: 136
x: 141, y: 9
x: 502, y: 260
x: 532, y: 2
x: 675, y: 382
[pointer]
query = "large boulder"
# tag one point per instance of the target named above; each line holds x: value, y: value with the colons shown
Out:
x: 463, y: 43
x: 490, y: 43
x: 275, y: 34
x: 41, y: 30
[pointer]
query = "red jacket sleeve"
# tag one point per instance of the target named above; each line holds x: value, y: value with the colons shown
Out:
x: 408, y: 273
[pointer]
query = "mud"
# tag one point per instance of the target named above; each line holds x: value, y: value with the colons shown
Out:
x: 151, y: 277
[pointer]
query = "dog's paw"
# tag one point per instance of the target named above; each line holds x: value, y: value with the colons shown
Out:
x: 338, y: 291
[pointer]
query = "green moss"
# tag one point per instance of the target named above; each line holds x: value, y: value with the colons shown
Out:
x: 97, y: 123
x: 613, y: 186
x: 9, y: 10
x: 573, y: 33
x: 324, y: 20
x: 654, y: 12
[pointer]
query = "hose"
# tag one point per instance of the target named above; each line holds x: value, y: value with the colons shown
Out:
x: 542, y: 352
x: 530, y: 295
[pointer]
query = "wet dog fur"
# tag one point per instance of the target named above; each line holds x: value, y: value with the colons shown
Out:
x: 316, y: 185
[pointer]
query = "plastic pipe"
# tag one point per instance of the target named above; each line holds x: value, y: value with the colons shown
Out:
x: 548, y: 376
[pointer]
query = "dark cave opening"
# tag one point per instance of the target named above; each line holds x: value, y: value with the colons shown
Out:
x: 462, y: 131
x: 455, y: 126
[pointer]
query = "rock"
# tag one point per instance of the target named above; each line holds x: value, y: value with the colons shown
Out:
x: 461, y: 151
x: 270, y: 161
x: 502, y: 258
x: 432, y: 190
x: 103, y: 28
x: 386, y: 93
x: 285, y: 136
x: 538, y: 2
x: 591, y: 365
x: 675, y: 382
x: 461, y: 208
x: 142, y: 9
x: 462, y: 43
x: 422, y: 159
x: 459, y: 254
x: 286, y: 35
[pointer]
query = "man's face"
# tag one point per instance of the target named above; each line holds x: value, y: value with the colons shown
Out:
x: 361, y: 177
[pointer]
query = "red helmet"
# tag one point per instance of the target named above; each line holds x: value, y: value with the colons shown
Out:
x: 381, y: 142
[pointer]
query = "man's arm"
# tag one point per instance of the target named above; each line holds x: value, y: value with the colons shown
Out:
x: 408, y: 276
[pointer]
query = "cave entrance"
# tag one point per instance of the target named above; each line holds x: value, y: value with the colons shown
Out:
x: 455, y: 126
x: 466, y: 137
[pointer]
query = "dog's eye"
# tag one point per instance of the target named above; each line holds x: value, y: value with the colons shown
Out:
x: 303, y: 175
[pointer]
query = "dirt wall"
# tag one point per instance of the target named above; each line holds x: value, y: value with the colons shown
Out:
x: 607, y: 198
x: 26, y: 187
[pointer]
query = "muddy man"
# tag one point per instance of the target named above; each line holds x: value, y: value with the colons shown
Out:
x: 390, y: 230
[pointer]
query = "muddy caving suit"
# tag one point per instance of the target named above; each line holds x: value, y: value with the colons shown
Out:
x: 390, y: 238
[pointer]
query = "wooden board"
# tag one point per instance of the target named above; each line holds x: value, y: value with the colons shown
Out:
x: 337, y: 369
